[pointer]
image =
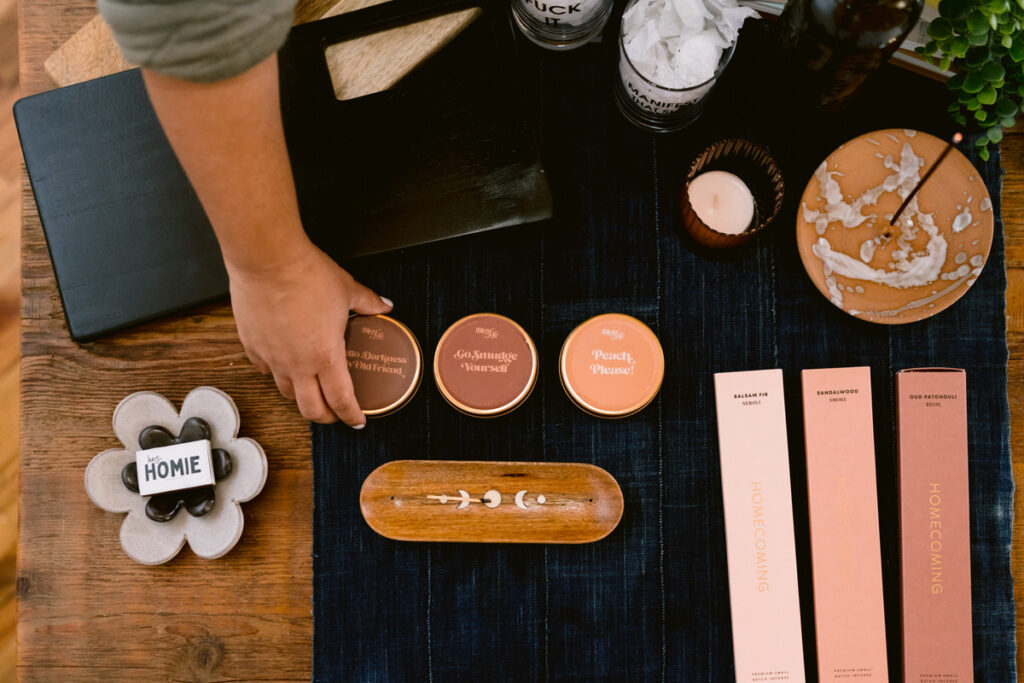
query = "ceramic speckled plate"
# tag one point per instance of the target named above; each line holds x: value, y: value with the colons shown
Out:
x: 910, y: 271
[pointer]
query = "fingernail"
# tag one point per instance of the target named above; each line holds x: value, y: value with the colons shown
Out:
x: 387, y: 301
x: 359, y: 426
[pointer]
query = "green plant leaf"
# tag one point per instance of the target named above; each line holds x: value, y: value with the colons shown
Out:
x: 982, y: 141
x: 993, y: 71
x: 956, y: 81
x: 978, y: 23
x: 1017, y: 49
x: 957, y: 9
x: 977, y: 56
x: 978, y: 39
x: 995, y: 134
x: 1008, y: 122
x: 944, y: 63
x: 1006, y: 41
x: 988, y: 95
x: 940, y: 29
x: 973, y: 105
x: 973, y: 83
x: 958, y: 46
x: 980, y: 116
x: 983, y: 155
x: 1005, y: 107
x: 961, y: 119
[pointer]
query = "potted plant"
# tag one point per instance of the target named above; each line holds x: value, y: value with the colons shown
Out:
x: 983, y: 42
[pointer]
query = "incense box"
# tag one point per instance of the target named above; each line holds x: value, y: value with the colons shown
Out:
x: 758, y: 505
x: 935, y: 535
x: 842, y: 501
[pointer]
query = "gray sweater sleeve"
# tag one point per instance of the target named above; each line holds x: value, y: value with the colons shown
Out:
x: 198, y: 40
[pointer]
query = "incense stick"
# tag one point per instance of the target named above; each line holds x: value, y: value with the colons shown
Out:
x: 952, y: 143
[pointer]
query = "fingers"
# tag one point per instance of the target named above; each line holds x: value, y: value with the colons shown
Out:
x: 259, y: 363
x: 311, y: 402
x: 337, y: 389
x: 284, y: 385
x: 366, y: 302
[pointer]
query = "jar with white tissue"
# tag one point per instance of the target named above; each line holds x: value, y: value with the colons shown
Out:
x: 671, y: 53
x: 561, y: 24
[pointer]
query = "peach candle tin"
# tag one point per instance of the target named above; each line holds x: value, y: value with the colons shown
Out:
x: 612, y: 365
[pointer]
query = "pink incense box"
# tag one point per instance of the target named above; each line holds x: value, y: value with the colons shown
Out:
x: 763, y: 593
x: 842, y: 499
x: 935, y: 535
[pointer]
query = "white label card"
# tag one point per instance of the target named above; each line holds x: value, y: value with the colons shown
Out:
x: 173, y: 468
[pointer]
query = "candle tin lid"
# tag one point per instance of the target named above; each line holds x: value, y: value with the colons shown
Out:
x: 485, y: 365
x: 384, y: 362
x: 612, y: 365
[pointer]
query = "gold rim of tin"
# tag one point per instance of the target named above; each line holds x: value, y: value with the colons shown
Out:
x: 584, y: 405
x: 414, y: 387
x: 500, y: 410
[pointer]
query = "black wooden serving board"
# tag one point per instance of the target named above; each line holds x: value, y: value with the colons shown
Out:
x: 445, y: 153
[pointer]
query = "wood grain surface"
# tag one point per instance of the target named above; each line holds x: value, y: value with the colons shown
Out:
x: 355, y: 65
x: 491, y: 502
x: 246, y: 616
x: 10, y: 314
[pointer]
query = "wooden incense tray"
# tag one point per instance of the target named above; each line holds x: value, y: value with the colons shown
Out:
x: 491, y: 502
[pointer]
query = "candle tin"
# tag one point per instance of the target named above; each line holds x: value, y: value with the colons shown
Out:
x: 485, y: 365
x: 612, y: 365
x: 384, y: 362
x: 755, y: 166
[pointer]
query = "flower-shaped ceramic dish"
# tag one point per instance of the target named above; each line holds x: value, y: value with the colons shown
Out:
x: 214, y: 533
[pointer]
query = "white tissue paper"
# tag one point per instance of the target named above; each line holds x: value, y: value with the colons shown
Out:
x: 676, y: 44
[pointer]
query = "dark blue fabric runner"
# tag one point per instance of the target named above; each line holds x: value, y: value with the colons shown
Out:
x: 650, y: 602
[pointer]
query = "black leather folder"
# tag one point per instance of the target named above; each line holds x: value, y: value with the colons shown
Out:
x: 446, y: 152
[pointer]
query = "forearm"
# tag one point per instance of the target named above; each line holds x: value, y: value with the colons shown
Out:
x: 229, y: 138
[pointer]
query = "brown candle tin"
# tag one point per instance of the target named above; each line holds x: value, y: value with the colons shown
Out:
x: 485, y: 365
x: 384, y: 362
x: 612, y: 365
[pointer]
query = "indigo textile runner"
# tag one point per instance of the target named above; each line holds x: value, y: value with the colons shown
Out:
x: 651, y: 601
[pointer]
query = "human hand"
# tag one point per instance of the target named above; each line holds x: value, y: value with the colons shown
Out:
x: 291, y: 320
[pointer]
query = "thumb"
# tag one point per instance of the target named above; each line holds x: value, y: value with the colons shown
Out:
x: 367, y: 302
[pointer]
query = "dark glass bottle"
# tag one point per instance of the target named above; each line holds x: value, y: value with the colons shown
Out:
x: 831, y: 46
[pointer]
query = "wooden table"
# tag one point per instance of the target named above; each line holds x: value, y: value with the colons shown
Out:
x: 86, y: 612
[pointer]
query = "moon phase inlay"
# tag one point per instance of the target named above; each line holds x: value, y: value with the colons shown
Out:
x: 491, y: 499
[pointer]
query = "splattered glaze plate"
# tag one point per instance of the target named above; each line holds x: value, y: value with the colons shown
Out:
x: 910, y: 271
